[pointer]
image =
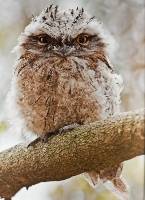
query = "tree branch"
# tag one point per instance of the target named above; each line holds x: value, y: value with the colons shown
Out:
x: 99, y: 145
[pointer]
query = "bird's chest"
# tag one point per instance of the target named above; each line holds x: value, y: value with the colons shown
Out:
x: 75, y: 99
x: 53, y: 103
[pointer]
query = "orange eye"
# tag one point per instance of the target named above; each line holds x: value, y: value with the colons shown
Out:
x: 82, y: 39
x: 43, y: 39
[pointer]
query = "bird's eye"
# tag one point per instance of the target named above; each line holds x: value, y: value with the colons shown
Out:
x: 43, y: 39
x: 82, y: 39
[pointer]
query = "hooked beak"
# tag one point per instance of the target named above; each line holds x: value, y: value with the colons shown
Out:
x: 63, y: 51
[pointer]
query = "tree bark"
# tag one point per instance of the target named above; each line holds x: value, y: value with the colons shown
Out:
x: 98, y: 146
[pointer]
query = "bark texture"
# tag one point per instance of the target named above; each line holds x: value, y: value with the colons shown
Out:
x: 99, y: 145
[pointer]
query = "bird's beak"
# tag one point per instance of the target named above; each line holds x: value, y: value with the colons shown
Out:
x: 65, y: 50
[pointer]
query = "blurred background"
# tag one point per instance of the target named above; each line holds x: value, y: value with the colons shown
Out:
x: 125, y: 21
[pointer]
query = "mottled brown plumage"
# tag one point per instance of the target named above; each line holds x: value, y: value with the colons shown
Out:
x: 63, y: 75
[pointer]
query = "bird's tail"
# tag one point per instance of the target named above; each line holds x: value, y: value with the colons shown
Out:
x: 118, y: 187
x: 111, y: 179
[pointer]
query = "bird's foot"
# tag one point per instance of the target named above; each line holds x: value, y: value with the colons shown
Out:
x: 43, y: 138
x: 68, y: 128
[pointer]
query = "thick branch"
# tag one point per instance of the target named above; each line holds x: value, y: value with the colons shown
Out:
x: 99, y: 145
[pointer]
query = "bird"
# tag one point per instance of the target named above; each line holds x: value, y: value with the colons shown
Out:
x: 63, y: 77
